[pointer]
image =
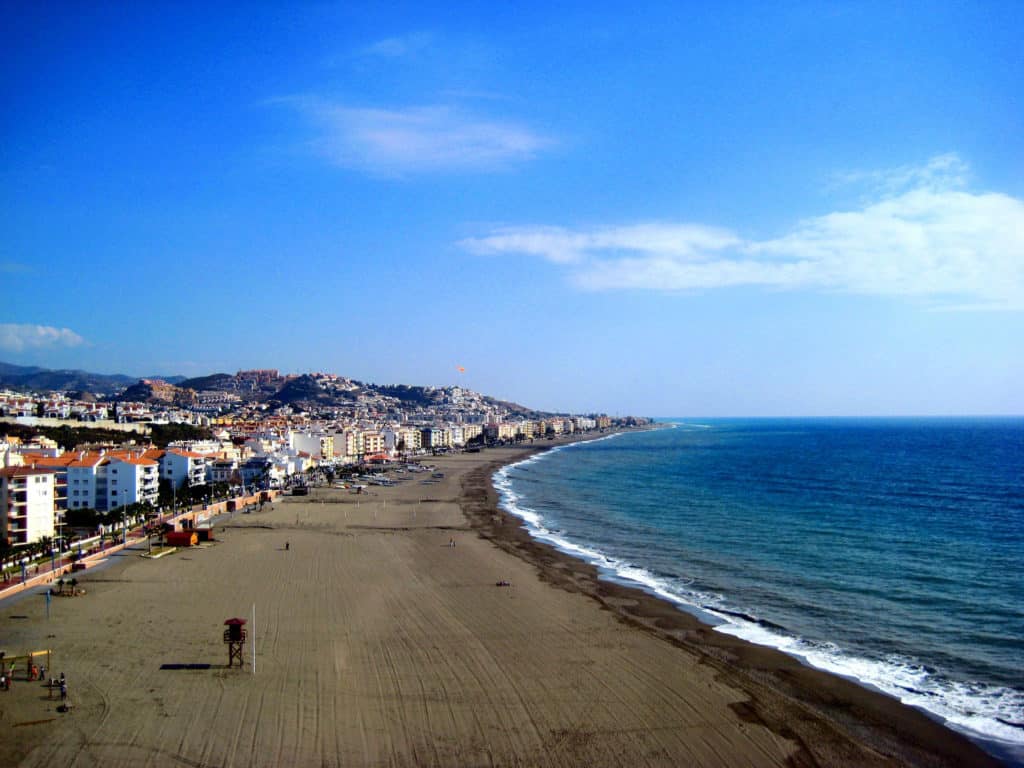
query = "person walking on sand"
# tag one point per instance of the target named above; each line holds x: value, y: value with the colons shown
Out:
x: 287, y: 545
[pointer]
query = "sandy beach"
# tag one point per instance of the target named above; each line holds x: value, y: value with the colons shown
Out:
x: 378, y: 643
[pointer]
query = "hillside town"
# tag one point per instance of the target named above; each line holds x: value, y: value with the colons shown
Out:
x: 254, y: 430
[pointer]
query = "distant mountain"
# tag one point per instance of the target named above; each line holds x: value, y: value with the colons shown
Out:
x: 31, y: 378
x: 7, y: 369
x: 299, y: 391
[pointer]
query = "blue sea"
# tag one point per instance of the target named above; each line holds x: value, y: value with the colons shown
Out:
x: 890, y: 551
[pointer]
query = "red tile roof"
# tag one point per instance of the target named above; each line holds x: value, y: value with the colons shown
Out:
x: 24, y: 471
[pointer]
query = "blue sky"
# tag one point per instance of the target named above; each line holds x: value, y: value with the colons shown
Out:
x: 693, y: 208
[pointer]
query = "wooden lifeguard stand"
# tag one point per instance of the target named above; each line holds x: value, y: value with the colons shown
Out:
x: 234, y: 638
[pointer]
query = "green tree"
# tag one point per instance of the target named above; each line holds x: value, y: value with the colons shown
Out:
x: 85, y: 517
x: 165, y: 494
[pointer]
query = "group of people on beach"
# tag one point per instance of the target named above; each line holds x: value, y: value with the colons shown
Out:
x: 37, y: 673
x: 34, y: 673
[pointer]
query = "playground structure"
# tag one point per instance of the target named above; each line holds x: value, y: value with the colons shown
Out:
x: 67, y: 588
x: 9, y: 665
x: 234, y: 638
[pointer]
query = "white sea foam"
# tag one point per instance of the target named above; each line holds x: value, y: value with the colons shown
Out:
x: 989, y: 712
x: 981, y: 709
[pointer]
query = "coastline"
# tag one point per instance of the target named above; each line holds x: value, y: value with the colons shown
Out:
x: 375, y: 642
x: 783, y: 689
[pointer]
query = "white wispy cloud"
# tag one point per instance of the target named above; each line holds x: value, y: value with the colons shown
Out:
x: 423, y: 139
x: 398, y: 46
x: 16, y: 337
x: 932, y: 240
x: 942, y: 172
x: 565, y: 246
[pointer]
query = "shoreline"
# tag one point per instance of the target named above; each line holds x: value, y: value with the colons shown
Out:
x: 774, y: 680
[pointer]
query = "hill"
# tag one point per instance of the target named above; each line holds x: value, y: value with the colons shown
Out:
x: 305, y: 391
x: 215, y: 381
x: 34, y: 379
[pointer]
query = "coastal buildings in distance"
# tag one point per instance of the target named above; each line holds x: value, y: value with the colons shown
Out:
x: 264, y: 429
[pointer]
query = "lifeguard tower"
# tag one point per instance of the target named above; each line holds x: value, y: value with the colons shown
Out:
x: 234, y: 638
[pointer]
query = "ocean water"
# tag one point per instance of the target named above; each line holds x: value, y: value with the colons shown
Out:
x: 889, y: 551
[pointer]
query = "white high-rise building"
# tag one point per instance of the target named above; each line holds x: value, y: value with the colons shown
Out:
x: 28, y: 503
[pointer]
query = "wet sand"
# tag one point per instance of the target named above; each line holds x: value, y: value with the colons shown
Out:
x: 377, y: 643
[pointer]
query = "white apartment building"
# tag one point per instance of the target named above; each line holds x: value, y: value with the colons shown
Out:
x: 317, y: 445
x: 346, y: 444
x: 469, y: 431
x: 458, y: 435
x: 87, y: 482
x: 132, y: 479
x: 436, y: 437
x: 372, y: 442
x: 27, y: 499
x: 398, y: 439
x: 205, y: 447
x: 223, y: 471
x: 183, y: 467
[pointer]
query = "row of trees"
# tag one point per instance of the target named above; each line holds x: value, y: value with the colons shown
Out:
x: 39, y: 548
x: 184, y: 496
x: 93, y: 518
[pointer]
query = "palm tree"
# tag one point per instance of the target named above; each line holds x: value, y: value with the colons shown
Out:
x: 40, y: 547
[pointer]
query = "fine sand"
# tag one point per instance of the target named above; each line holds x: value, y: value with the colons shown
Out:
x: 377, y: 643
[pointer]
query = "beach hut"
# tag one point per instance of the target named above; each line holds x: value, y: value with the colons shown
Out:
x: 182, y: 538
